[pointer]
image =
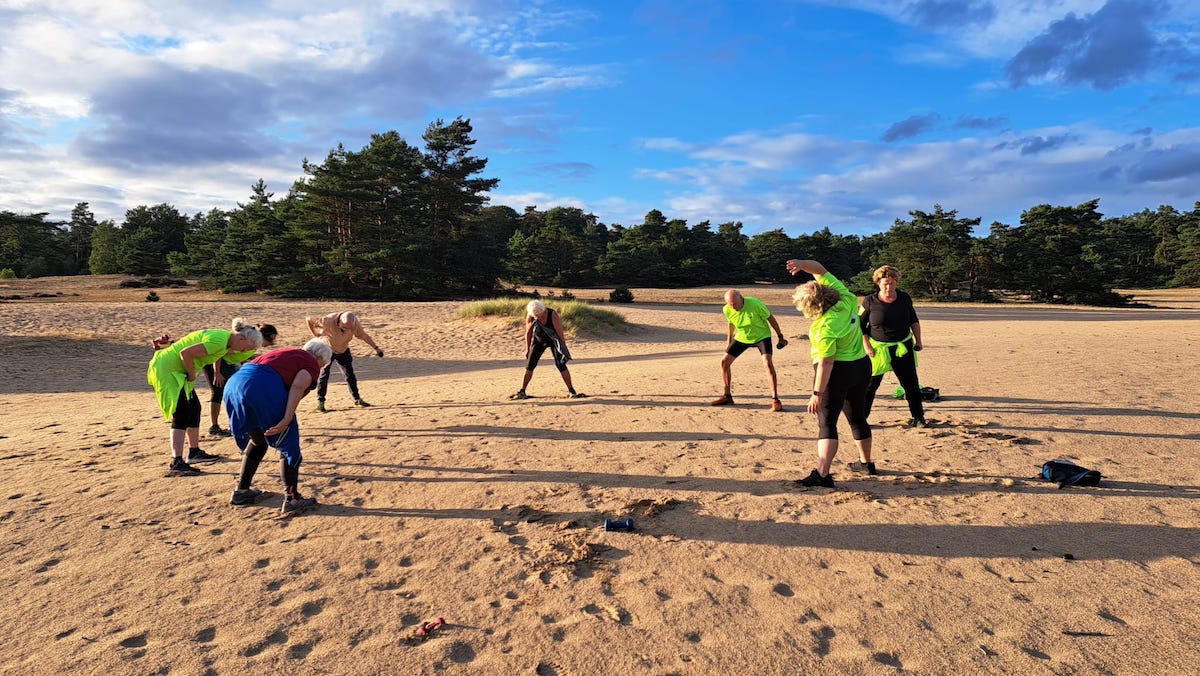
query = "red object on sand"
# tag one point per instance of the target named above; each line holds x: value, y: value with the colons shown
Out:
x: 427, y: 628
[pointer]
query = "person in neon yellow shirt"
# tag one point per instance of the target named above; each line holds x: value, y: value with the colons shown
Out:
x: 172, y: 374
x: 749, y: 325
x: 841, y: 367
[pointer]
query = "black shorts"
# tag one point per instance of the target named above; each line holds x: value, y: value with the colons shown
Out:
x: 737, y: 347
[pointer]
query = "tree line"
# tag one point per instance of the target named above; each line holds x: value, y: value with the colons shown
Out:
x: 396, y: 221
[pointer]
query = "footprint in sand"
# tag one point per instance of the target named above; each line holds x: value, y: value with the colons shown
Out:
x: 138, y: 641
x: 278, y: 637
x: 206, y: 635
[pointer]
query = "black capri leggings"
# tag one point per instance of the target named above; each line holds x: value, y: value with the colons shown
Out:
x: 535, y: 353
x: 847, y: 394
x: 187, y: 411
x: 218, y: 390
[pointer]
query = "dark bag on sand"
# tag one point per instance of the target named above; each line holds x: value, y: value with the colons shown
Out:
x: 927, y: 393
x: 1067, y: 473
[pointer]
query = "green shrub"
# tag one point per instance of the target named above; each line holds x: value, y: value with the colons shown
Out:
x: 620, y: 295
x: 7, y: 273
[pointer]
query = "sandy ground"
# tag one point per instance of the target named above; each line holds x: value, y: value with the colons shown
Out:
x: 445, y: 499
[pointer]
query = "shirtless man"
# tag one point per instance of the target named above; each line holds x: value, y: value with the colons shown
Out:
x: 339, y: 328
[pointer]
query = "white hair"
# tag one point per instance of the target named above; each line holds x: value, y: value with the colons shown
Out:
x: 535, y: 308
x: 248, y: 331
x: 320, y: 348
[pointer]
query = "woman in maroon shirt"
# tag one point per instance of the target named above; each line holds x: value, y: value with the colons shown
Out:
x: 261, y: 399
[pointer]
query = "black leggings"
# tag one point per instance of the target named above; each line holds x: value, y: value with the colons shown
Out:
x: 535, y: 353
x: 905, y: 369
x: 218, y: 390
x: 846, y: 394
x: 187, y: 411
x: 345, y: 362
x: 254, y: 455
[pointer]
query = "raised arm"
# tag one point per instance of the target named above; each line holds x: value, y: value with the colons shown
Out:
x: 796, y: 266
x: 315, y: 326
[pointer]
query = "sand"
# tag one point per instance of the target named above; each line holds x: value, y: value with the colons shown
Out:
x: 445, y: 499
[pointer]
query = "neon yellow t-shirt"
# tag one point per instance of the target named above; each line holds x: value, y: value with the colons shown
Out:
x: 837, y: 333
x: 750, y: 323
x: 167, y: 374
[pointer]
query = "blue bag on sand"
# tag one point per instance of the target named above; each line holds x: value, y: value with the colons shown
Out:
x: 1067, y: 473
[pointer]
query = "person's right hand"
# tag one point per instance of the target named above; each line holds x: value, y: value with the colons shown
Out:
x: 871, y: 352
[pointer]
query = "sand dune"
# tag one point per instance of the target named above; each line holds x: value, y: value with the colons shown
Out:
x: 447, y: 500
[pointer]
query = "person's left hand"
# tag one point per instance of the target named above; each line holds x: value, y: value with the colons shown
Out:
x: 277, y: 428
x: 917, y: 347
x: 813, y: 402
x: 782, y: 343
x: 218, y: 377
x: 378, y: 352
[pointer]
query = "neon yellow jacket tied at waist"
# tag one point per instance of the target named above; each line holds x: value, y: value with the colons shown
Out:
x: 881, y: 363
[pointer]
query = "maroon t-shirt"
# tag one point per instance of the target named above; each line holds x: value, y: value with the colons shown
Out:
x: 288, y: 362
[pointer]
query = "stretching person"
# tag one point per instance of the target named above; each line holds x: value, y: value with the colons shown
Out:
x: 227, y: 365
x: 892, y: 338
x: 172, y: 374
x: 261, y: 399
x: 544, y: 329
x: 339, y: 328
x: 750, y: 324
x: 842, y: 368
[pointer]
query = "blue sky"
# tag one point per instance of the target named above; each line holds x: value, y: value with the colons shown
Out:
x: 793, y: 114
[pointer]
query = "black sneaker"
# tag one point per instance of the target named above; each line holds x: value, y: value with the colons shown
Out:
x: 863, y: 468
x: 361, y: 403
x: 245, y: 496
x: 296, y: 506
x: 815, y: 479
x: 180, y: 468
x: 196, y: 455
x: 918, y: 423
x: 216, y: 431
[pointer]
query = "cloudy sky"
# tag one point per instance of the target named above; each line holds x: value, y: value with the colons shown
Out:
x: 794, y: 114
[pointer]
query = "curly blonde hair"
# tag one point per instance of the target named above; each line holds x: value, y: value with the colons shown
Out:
x: 885, y: 271
x: 814, y: 299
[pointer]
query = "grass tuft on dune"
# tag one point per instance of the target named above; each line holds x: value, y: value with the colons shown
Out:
x: 578, y: 317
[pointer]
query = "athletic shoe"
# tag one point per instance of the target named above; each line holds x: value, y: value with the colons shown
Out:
x: 918, y: 423
x: 180, y: 468
x: 320, y: 407
x: 725, y: 400
x: 863, y: 468
x: 216, y: 431
x: 197, y: 455
x: 815, y: 479
x: 776, y: 405
x: 576, y: 395
x: 361, y: 403
x: 297, y: 506
x: 519, y: 394
x: 245, y: 496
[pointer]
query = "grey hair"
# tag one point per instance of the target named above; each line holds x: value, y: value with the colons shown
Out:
x: 814, y: 299
x: 248, y: 331
x: 321, y: 349
x: 535, y: 308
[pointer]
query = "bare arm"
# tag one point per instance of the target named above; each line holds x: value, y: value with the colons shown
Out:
x: 820, y: 383
x: 796, y: 266
x: 778, y: 331
x: 297, y: 392
x: 189, y: 356
x: 314, y: 326
x: 361, y: 334
x: 528, y: 335
x: 916, y: 329
x: 728, y: 334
